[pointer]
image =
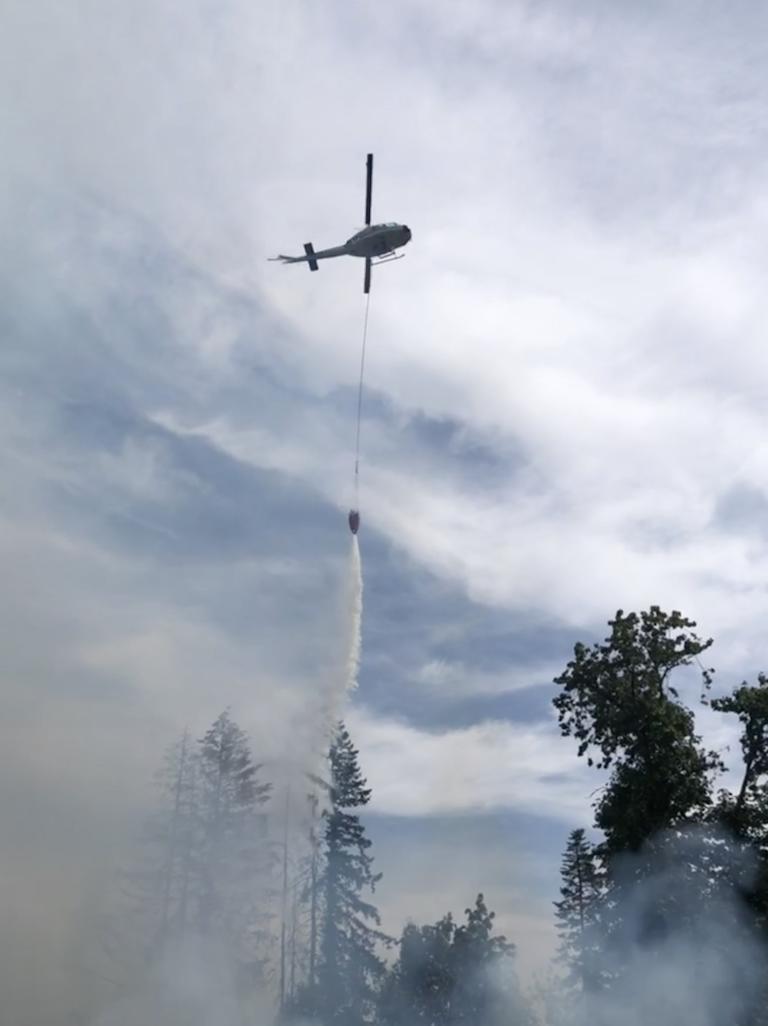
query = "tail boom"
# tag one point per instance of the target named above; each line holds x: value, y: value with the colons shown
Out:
x: 311, y: 255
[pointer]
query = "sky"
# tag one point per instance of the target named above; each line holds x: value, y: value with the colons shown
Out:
x: 564, y: 409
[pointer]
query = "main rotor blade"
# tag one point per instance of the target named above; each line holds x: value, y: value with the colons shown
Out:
x: 368, y: 187
x: 367, y: 279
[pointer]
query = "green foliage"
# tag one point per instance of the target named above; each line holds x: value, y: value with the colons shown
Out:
x: 349, y: 969
x: 480, y: 993
x: 617, y: 700
x: 420, y: 987
x: 448, y: 975
x: 745, y: 814
x: 668, y: 855
x: 578, y: 912
x: 672, y: 862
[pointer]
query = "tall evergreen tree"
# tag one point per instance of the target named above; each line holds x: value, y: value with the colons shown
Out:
x: 233, y: 865
x: 158, y: 886
x: 313, y: 889
x: 349, y: 969
x: 577, y: 912
x: 302, y: 995
x: 179, y: 781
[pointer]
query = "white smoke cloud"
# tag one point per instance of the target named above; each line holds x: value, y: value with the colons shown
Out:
x: 703, y: 968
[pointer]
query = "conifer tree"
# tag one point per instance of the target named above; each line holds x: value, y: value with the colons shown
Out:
x: 158, y: 886
x: 302, y: 998
x: 313, y: 889
x: 229, y: 797
x: 349, y: 969
x: 179, y: 781
x: 233, y: 864
x: 577, y: 912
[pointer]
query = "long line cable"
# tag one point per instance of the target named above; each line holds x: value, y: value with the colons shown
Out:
x: 360, y: 396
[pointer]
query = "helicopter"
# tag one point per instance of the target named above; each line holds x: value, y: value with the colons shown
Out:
x: 375, y: 243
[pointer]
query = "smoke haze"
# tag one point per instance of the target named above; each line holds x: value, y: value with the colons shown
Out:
x: 566, y: 414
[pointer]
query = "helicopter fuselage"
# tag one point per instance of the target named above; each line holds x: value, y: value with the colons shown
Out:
x: 377, y: 239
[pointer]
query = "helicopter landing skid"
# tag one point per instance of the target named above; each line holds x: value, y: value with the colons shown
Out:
x: 388, y: 259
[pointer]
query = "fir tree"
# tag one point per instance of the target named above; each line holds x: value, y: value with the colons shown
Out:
x: 232, y: 870
x: 577, y: 912
x: 301, y: 999
x: 158, y: 887
x: 179, y: 781
x: 349, y: 970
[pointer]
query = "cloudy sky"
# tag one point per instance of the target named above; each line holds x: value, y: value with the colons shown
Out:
x: 565, y: 405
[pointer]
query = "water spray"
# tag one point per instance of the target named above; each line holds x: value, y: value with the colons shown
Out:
x: 354, y: 610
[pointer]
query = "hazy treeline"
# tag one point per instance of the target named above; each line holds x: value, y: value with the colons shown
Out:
x: 663, y: 909
x: 287, y: 912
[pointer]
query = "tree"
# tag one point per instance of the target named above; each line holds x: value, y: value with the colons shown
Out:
x: 745, y: 814
x: 449, y: 975
x: 483, y: 994
x: 158, y: 886
x: 419, y: 989
x: 179, y: 782
x: 312, y: 891
x: 578, y: 911
x: 302, y: 999
x: 617, y: 700
x: 349, y: 970
x: 229, y: 797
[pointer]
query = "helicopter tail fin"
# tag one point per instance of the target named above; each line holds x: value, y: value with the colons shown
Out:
x: 309, y: 250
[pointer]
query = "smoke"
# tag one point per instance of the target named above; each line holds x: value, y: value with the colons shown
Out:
x: 681, y: 949
x: 190, y: 985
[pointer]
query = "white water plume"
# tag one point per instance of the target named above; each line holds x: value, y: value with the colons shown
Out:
x: 354, y: 616
x: 344, y: 679
x: 339, y: 679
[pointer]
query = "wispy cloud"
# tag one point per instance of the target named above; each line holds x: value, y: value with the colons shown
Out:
x: 488, y: 766
x: 566, y: 375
